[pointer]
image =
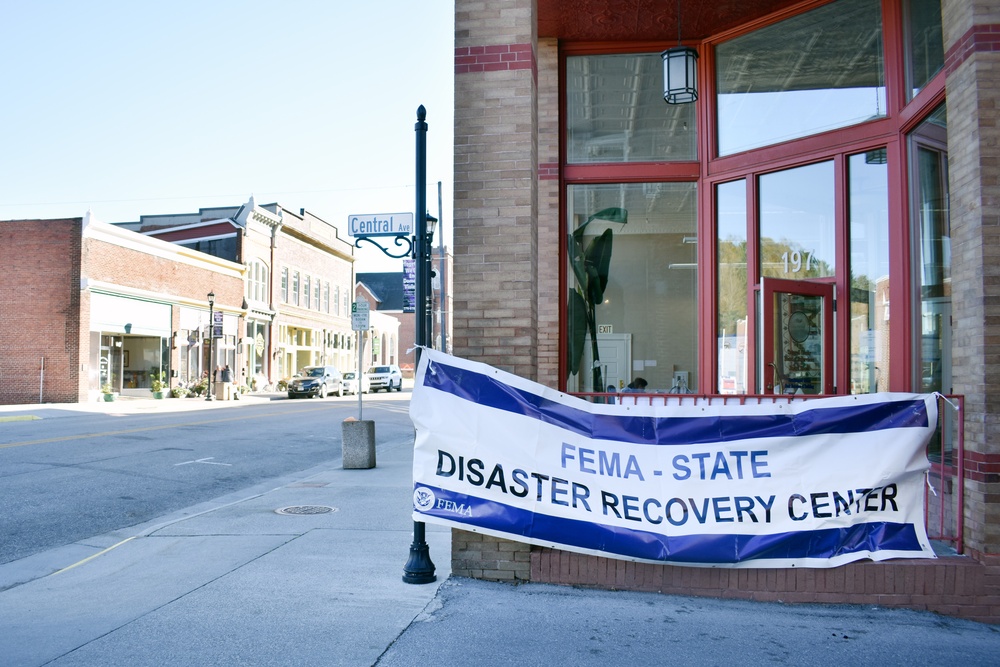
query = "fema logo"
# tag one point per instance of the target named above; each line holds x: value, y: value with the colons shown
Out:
x: 423, y: 498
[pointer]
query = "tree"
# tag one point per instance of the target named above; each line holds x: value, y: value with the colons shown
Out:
x: 591, y: 265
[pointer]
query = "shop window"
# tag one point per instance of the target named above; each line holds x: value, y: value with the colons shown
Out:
x: 615, y: 112
x: 810, y: 73
x: 731, y: 258
x: 931, y: 227
x: 868, y: 187
x: 633, y: 279
x: 924, y: 43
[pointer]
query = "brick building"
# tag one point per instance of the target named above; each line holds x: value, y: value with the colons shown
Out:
x: 837, y: 150
x: 298, y: 290
x: 109, y: 310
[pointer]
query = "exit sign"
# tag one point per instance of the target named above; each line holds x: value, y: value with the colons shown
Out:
x: 604, y: 329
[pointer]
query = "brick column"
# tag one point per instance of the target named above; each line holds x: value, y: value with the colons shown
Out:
x: 972, y: 61
x: 496, y: 205
x: 495, y: 277
x: 550, y: 224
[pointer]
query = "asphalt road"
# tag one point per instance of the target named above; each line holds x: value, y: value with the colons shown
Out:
x: 68, y: 475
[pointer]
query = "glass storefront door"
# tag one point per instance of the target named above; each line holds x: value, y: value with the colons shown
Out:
x: 797, y: 335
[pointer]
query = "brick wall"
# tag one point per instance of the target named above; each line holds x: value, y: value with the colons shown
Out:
x: 549, y: 219
x: 110, y: 263
x: 40, y: 311
x: 955, y: 586
x: 495, y: 209
x: 973, y: 98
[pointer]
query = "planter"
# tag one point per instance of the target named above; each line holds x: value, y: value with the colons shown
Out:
x: 158, y: 394
x: 108, y: 398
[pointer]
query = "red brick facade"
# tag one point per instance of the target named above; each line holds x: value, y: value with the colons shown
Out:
x: 40, y: 300
x: 53, y: 266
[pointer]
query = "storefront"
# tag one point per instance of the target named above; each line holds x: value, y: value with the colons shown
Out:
x: 130, y: 343
x: 809, y: 213
x: 756, y: 238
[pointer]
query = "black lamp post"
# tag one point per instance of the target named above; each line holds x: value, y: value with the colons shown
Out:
x: 419, y: 568
x: 211, y: 346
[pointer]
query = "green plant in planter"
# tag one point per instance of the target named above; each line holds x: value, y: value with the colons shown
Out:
x: 108, y: 391
x: 158, y: 383
x: 591, y: 266
x: 178, y: 392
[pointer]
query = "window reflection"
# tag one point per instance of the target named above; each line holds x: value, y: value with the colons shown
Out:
x: 645, y: 322
x: 925, y: 42
x: 797, y: 223
x: 808, y: 74
x: 731, y: 252
x: 615, y: 112
x: 932, y: 231
x: 869, y: 225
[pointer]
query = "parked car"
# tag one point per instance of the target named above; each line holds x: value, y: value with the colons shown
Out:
x: 385, y: 377
x: 351, y: 383
x: 318, y: 381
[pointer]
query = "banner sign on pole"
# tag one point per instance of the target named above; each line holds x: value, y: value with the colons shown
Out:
x: 781, y: 483
x: 409, y: 286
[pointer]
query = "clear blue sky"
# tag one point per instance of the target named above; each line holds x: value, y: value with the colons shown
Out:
x: 128, y: 107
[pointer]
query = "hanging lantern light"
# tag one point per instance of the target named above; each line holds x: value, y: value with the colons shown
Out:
x: 680, y: 76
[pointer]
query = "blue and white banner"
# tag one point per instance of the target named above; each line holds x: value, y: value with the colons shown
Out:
x: 815, y: 483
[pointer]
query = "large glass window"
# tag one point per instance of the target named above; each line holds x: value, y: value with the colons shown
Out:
x: 932, y: 254
x: 869, y: 225
x: 798, y: 223
x: 615, y: 112
x: 731, y: 253
x: 811, y: 73
x: 632, y: 277
x: 925, y: 43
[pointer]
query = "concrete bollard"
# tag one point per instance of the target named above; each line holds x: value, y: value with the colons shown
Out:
x: 358, y: 443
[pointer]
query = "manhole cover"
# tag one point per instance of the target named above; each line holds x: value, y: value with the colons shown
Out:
x: 305, y: 509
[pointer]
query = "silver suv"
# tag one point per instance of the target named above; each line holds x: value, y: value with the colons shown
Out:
x: 316, y: 381
x: 385, y: 377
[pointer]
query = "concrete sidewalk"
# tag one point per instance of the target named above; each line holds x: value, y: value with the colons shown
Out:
x: 235, y: 582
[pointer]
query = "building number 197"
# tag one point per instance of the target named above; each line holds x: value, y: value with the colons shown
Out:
x: 793, y: 261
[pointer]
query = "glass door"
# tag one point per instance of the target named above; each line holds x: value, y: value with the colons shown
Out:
x: 797, y: 337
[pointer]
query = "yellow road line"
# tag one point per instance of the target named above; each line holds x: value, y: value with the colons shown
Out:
x: 83, y: 436
x: 19, y: 418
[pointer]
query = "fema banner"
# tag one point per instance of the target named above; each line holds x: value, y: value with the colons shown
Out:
x: 815, y: 483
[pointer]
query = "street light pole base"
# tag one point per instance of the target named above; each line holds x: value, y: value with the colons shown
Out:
x: 419, y: 569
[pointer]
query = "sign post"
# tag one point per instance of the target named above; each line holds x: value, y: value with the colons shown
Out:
x: 360, y: 322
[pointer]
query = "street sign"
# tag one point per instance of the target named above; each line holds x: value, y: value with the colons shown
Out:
x: 359, y: 315
x: 380, y: 224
